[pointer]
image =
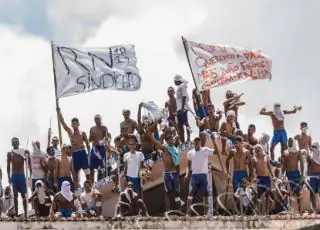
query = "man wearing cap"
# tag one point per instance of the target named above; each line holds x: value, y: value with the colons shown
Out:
x: 279, y: 132
x: 63, y: 167
x: 16, y: 159
x: 98, y: 137
x: 78, y: 140
x: 182, y: 107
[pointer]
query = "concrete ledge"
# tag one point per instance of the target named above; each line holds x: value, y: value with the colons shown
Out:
x: 217, y: 222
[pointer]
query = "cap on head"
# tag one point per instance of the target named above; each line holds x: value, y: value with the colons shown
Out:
x: 178, y: 78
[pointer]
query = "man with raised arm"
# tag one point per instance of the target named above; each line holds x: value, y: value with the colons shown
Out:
x: 16, y: 160
x: 304, y: 140
x: 279, y: 132
x: 290, y: 165
x: 233, y: 103
x: 171, y: 163
x: 98, y: 136
x: 314, y: 174
x: 78, y: 140
x: 64, y: 168
x: 133, y: 162
x: 241, y: 159
x: 182, y: 107
x: 171, y: 105
x: 198, y: 171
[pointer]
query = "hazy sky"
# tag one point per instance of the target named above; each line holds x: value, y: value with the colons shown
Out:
x: 285, y: 30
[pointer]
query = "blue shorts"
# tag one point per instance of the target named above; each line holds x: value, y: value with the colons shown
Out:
x: 232, y: 139
x: 279, y: 136
x: 171, y: 182
x: 182, y: 117
x: 34, y: 183
x: 80, y: 160
x: 50, y: 185
x: 294, y: 178
x: 237, y: 178
x: 264, y: 184
x: 95, y: 163
x: 136, y: 184
x: 147, y: 156
x: 279, y: 207
x: 65, y: 213
x: 199, y: 182
x: 61, y: 179
x: 202, y: 112
x: 315, y: 182
x: 19, y: 183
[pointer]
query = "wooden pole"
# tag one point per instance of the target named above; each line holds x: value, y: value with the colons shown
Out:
x: 56, y: 93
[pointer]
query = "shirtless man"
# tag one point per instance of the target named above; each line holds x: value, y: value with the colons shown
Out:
x: 228, y: 130
x: 171, y: 163
x: 198, y: 160
x: 98, y: 137
x: 290, y: 161
x: 233, y: 103
x: 279, y: 132
x: 263, y: 171
x: 128, y: 125
x: 249, y: 137
x: 79, y: 154
x: 314, y: 174
x: 38, y: 164
x: 8, y: 208
x: 91, y: 200
x: 145, y: 125
x: 65, y: 202
x: 63, y: 167
x: 212, y: 121
x: 129, y: 204
x: 55, y: 143
x: 51, y: 166
x: 303, y: 139
x: 41, y: 199
x: 241, y: 159
x: 16, y: 159
x: 171, y: 105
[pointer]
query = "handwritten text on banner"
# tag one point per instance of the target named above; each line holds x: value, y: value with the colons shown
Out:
x: 215, y: 65
x: 84, y: 70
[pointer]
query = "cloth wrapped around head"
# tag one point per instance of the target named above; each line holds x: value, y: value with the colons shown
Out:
x: 277, y: 112
x: 231, y: 113
x: 179, y: 78
x: 40, y: 190
x: 66, y: 191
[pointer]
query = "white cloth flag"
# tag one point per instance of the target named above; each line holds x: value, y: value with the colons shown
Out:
x: 84, y: 70
x: 215, y: 65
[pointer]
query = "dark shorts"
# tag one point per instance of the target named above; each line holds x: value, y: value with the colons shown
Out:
x: 199, y: 182
x: 315, y: 182
x: 80, y: 160
x: 136, y: 184
x: 171, y: 182
x: 65, y: 213
x: 61, y: 179
x: 202, y: 112
x: 172, y: 121
x: 34, y: 183
x: 294, y: 178
x: 50, y: 185
x: 279, y: 136
x: 19, y: 183
x: 95, y: 162
x: 232, y: 139
x: 237, y: 177
x: 264, y: 185
x: 182, y: 117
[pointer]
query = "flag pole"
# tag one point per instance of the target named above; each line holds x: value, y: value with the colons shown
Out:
x: 56, y: 93
x: 184, y: 41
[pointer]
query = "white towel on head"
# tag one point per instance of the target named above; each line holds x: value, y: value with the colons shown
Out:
x: 66, y: 191
x: 277, y: 112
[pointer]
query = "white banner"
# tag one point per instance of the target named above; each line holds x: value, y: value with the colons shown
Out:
x: 84, y: 70
x: 215, y: 65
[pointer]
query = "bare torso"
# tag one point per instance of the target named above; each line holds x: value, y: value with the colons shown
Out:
x: 240, y: 159
x: 51, y: 164
x: 206, y: 97
x: 213, y: 122
x: 98, y: 134
x: 77, y: 139
x: 277, y: 124
x: 172, y: 107
x: 64, y: 165
x: 227, y: 129
x: 250, y: 139
x: 17, y: 163
x: 291, y: 161
x: 313, y: 167
x: 128, y: 126
x: 304, y: 141
x: 261, y: 166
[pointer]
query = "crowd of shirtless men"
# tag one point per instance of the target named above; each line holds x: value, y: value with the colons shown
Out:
x: 256, y: 172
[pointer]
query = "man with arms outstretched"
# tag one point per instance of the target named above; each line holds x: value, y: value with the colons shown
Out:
x: 16, y: 159
x: 78, y: 140
x: 279, y: 132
